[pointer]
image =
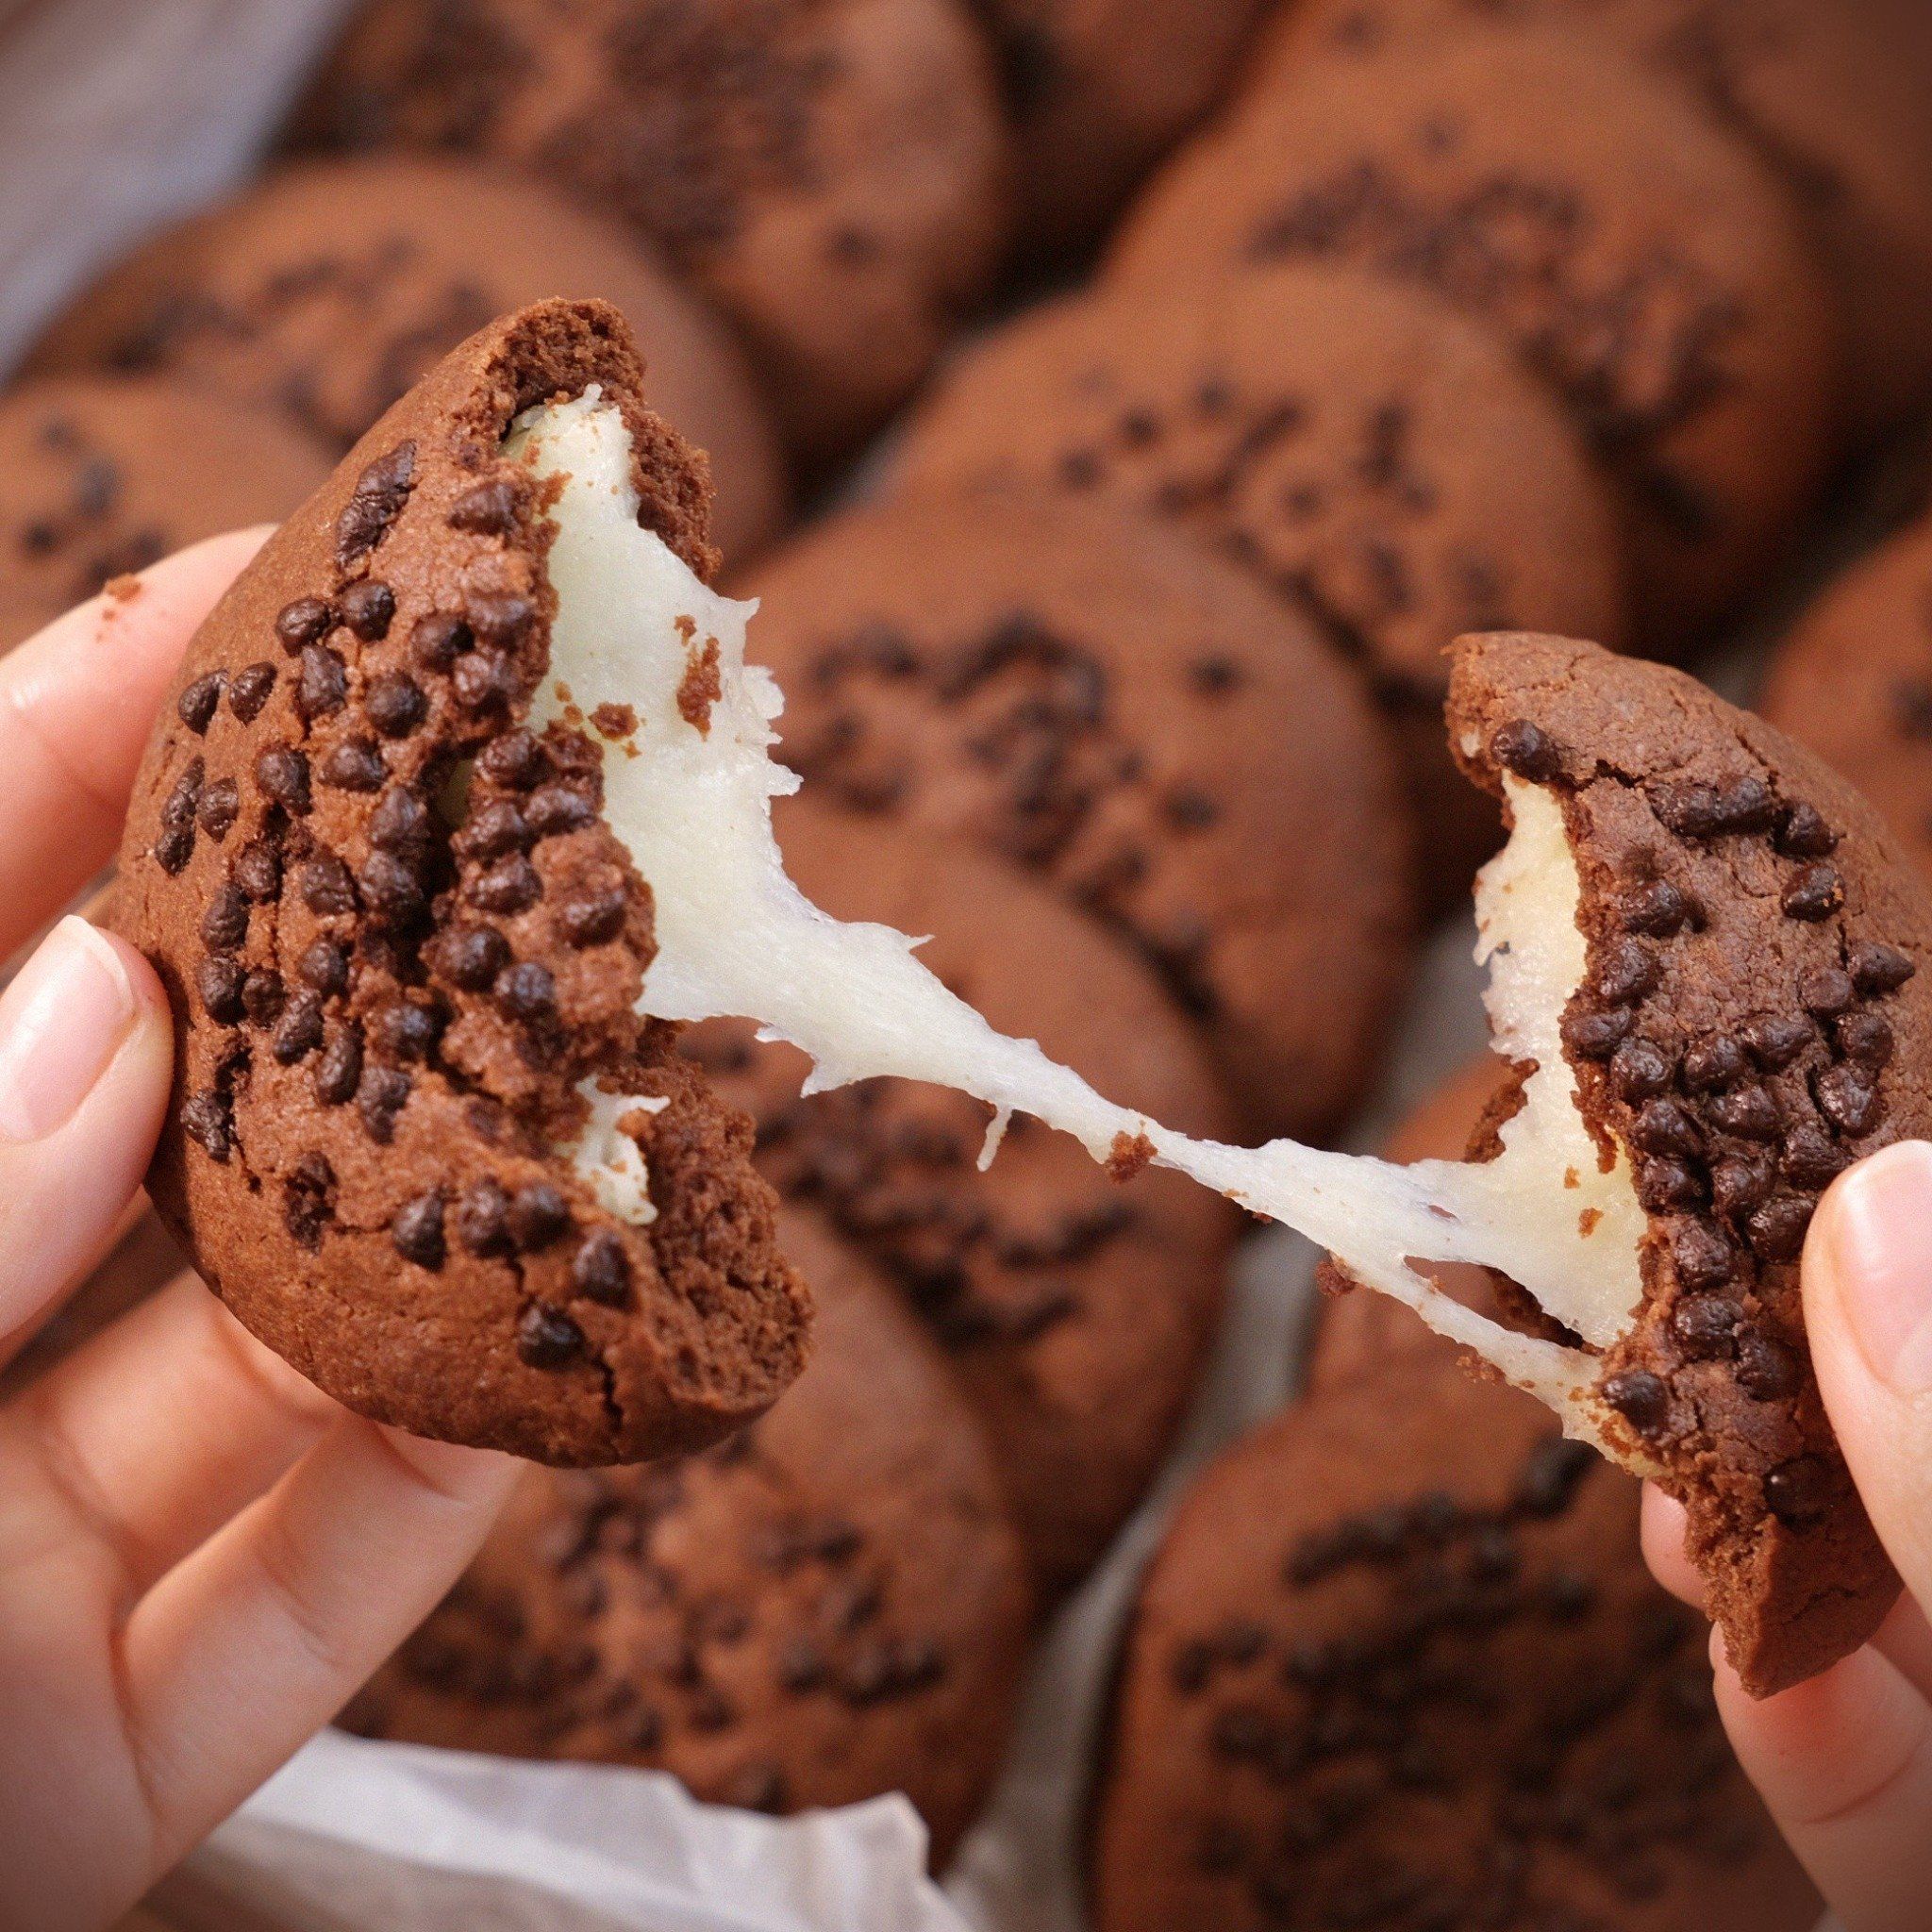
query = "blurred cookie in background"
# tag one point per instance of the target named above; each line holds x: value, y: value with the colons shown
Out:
x: 1385, y: 465
x: 1399, y: 1663
x: 328, y: 288
x: 1831, y: 93
x: 1098, y: 91
x: 829, y: 1606
x: 101, y: 476
x: 1853, y: 682
x: 1076, y: 1309
x: 1106, y: 703
x: 1645, y: 263
x: 833, y: 176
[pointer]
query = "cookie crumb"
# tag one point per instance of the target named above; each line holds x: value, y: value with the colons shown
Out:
x: 700, y: 688
x: 1126, y: 1157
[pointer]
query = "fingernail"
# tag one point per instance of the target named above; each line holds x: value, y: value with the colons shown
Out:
x: 62, y: 1022
x: 1879, y: 1245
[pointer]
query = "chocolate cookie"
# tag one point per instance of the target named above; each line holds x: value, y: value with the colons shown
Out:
x: 1398, y: 1664
x: 101, y: 477
x: 1831, y: 96
x: 1853, y: 682
x: 1641, y: 261
x: 829, y: 1606
x: 326, y: 291
x: 1389, y: 468
x: 1753, y: 1017
x: 833, y: 176
x: 421, y: 1141
x: 1074, y: 1308
x: 1355, y: 1333
x: 1134, y: 719
x: 1098, y: 89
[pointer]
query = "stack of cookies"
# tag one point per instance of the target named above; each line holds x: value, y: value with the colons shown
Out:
x: 1170, y: 381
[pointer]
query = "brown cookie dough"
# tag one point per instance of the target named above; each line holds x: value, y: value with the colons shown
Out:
x: 829, y: 1606
x: 1641, y: 261
x: 1076, y: 1310
x: 1853, y: 683
x: 1136, y: 721
x: 1755, y: 1016
x: 1098, y: 91
x: 833, y: 176
x: 329, y: 289
x: 1831, y: 95
x: 399, y: 937
x: 1387, y: 467
x: 100, y: 477
x: 1398, y: 1664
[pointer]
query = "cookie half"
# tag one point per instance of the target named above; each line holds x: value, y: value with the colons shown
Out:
x: 1398, y: 1663
x: 828, y: 1606
x: 422, y: 1143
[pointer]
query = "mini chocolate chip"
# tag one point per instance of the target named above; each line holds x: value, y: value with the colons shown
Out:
x: 299, y: 1032
x: 323, y: 967
x: 308, y: 1202
x: 207, y: 1121
x: 1805, y: 834
x: 1713, y: 1064
x: 495, y: 832
x: 417, y: 1231
x: 1775, y: 1040
x: 1625, y: 971
x: 1662, y: 1126
x: 1691, y: 812
x: 1641, y: 1398
x: 1879, y: 969
x: 1866, y: 1038
x: 378, y: 500
x: 325, y: 886
x: 1812, y: 1159
x: 509, y: 886
x: 1814, y: 892
x: 439, y: 639
x: 515, y: 762
x: 283, y: 775
x: 1799, y: 1491
x: 501, y: 619
x: 473, y: 955
x: 1705, y: 1259
x: 527, y: 991
x: 547, y: 1338
x: 264, y: 997
x: 1640, y: 1070
x: 1596, y: 1036
x: 1737, y: 1185
x: 1665, y: 1183
x: 1526, y: 750
x: 1748, y: 1112
x: 219, y: 981
x: 1707, y: 1325
x: 1776, y: 1230
x: 354, y: 765
x: 322, y: 687
x: 1657, y: 908
x: 391, y: 889
x: 600, y: 1268
x: 258, y: 870
x: 173, y: 849
x: 196, y: 707
x: 225, y: 923
x: 339, y: 1072
x: 1848, y: 1097
x: 184, y: 800
x: 409, y: 1030
x: 249, y: 690
x: 538, y: 1215
x: 590, y: 918
x: 557, y: 808
x: 382, y: 1097
x: 1767, y: 1370
x: 1746, y: 805
x: 482, y: 679
x: 400, y: 823
x: 488, y: 510
x: 306, y: 620
x: 1826, y: 992
x: 394, y: 704
x: 220, y: 807
x: 483, y: 1218
x: 369, y: 608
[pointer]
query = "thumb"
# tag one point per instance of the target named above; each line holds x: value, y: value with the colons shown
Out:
x: 85, y: 1053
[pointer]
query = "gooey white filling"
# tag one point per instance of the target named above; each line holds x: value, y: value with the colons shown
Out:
x: 735, y: 937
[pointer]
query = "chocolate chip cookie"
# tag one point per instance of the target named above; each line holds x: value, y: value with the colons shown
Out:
x: 1138, y: 723
x: 829, y: 1606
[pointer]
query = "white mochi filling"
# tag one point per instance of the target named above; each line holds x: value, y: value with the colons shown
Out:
x: 691, y: 796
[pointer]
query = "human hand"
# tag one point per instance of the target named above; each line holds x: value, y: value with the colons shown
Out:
x: 1844, y: 1762
x: 201, y: 1557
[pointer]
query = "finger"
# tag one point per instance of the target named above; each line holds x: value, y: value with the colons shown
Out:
x: 77, y: 703
x: 1663, y: 1548
x: 1845, y: 1764
x: 155, y: 1434
x: 86, y: 1048
x: 1868, y: 1312
x: 256, y: 1641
